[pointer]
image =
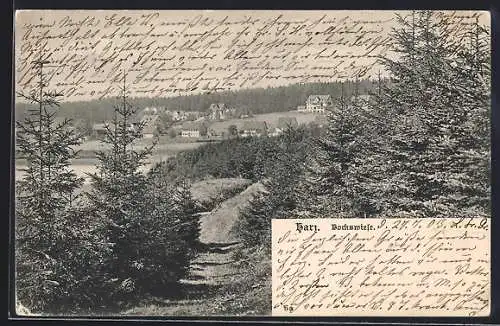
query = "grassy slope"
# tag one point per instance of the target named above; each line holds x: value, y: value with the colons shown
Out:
x: 219, y: 225
x: 211, y: 192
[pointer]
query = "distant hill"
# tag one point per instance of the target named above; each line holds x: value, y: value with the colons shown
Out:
x: 259, y: 100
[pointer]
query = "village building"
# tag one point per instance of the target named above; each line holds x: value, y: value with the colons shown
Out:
x: 254, y: 129
x: 148, y: 119
x: 149, y: 126
x: 220, y: 111
x: 99, y: 130
x: 193, y: 130
x: 216, y: 111
x: 318, y: 103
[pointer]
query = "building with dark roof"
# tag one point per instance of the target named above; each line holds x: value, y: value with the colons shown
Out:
x: 217, y: 111
x: 254, y: 128
x: 149, y: 126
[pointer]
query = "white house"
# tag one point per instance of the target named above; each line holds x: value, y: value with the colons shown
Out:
x: 193, y: 130
x: 318, y: 103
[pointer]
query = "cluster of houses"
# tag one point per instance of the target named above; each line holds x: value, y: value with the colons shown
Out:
x: 207, y: 128
x: 248, y: 128
x: 221, y: 111
x: 150, y: 117
x: 213, y: 123
x: 174, y: 115
x: 215, y: 112
x: 322, y: 103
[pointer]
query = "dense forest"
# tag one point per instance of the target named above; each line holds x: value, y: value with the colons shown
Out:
x: 260, y: 100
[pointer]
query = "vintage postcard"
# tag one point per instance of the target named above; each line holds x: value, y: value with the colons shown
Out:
x: 252, y: 163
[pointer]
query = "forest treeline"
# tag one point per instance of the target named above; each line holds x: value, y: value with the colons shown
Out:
x: 260, y: 100
x: 418, y: 147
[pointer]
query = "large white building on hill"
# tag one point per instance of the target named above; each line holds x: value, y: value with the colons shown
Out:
x: 318, y: 103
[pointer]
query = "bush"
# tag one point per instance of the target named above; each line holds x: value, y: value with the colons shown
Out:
x: 251, y: 158
x: 58, y: 264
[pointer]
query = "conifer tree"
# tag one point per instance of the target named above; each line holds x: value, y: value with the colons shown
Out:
x: 151, y: 221
x: 287, y: 169
x: 255, y: 220
x: 44, y: 199
x: 328, y: 185
x: 431, y: 125
x: 372, y: 169
x: 367, y: 167
x: 469, y: 166
x: 118, y: 193
x: 277, y: 199
x: 170, y: 235
x: 187, y: 212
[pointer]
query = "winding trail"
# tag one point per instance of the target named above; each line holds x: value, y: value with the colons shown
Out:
x: 215, y: 265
